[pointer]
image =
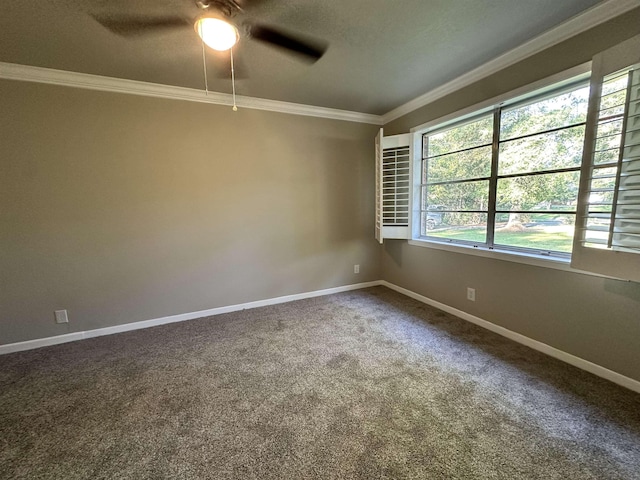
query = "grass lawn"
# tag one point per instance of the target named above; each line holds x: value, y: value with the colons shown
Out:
x: 557, y: 238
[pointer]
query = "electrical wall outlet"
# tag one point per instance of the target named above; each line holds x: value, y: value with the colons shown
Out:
x: 61, y: 316
x: 471, y: 294
x: 356, y: 269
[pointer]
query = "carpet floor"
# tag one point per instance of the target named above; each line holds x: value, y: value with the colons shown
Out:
x: 366, y: 384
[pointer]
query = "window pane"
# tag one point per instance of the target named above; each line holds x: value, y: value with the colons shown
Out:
x: 597, y: 232
x: 432, y: 219
x: 615, y: 100
x: 610, y: 127
x: 566, y: 109
x: 470, y: 135
x: 538, y: 170
x: 601, y: 201
x: 469, y: 164
x: 602, y: 184
x: 603, y: 180
x: 608, y: 142
x: 471, y: 227
x: 551, y: 191
x: 615, y: 83
x: 459, y: 196
x: 603, y: 207
x: 547, y: 151
x: 546, y: 231
x: 606, y: 156
x: 604, y: 172
x: 613, y: 96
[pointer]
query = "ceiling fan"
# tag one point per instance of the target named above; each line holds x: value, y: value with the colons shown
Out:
x: 218, y: 28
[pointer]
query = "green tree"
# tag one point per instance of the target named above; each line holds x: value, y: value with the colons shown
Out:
x: 464, y: 154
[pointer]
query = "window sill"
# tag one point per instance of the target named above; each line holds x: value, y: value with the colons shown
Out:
x: 508, y: 256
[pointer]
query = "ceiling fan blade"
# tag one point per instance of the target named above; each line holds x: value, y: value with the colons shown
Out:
x: 135, y: 26
x: 248, y: 5
x: 310, y: 50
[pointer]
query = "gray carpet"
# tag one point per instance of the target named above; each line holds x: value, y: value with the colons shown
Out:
x: 366, y: 384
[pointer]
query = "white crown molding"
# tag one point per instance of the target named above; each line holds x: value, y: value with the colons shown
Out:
x: 27, y: 73
x: 590, y: 18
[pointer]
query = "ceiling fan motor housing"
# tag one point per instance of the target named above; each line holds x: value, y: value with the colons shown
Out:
x: 228, y: 8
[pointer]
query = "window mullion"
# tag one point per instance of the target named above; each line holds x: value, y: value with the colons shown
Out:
x: 493, y: 181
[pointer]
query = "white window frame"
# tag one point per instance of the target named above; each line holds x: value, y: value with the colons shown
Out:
x: 549, y: 84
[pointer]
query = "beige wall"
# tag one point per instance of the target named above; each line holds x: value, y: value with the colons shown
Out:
x: 122, y: 208
x: 590, y: 317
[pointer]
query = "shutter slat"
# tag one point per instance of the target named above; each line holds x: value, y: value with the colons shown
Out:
x: 607, y: 237
x: 395, y: 181
x: 621, y: 193
x: 393, y: 176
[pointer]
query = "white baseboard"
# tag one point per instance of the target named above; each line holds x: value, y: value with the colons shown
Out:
x: 71, y: 337
x: 581, y: 363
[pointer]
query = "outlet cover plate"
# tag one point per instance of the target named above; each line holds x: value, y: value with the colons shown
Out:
x: 61, y: 316
x: 471, y: 294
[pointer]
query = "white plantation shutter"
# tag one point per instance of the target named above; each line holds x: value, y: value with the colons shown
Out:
x: 626, y: 234
x: 393, y: 186
x: 607, y: 236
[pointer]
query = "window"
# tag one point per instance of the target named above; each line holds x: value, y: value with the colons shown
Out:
x: 507, y: 178
x: 554, y: 173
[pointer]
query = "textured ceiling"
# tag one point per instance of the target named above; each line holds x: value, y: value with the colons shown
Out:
x: 382, y: 53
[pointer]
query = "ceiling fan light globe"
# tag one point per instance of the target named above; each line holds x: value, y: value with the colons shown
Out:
x: 216, y: 33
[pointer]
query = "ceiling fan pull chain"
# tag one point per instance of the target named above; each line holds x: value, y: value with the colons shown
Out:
x: 233, y: 81
x: 204, y: 67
